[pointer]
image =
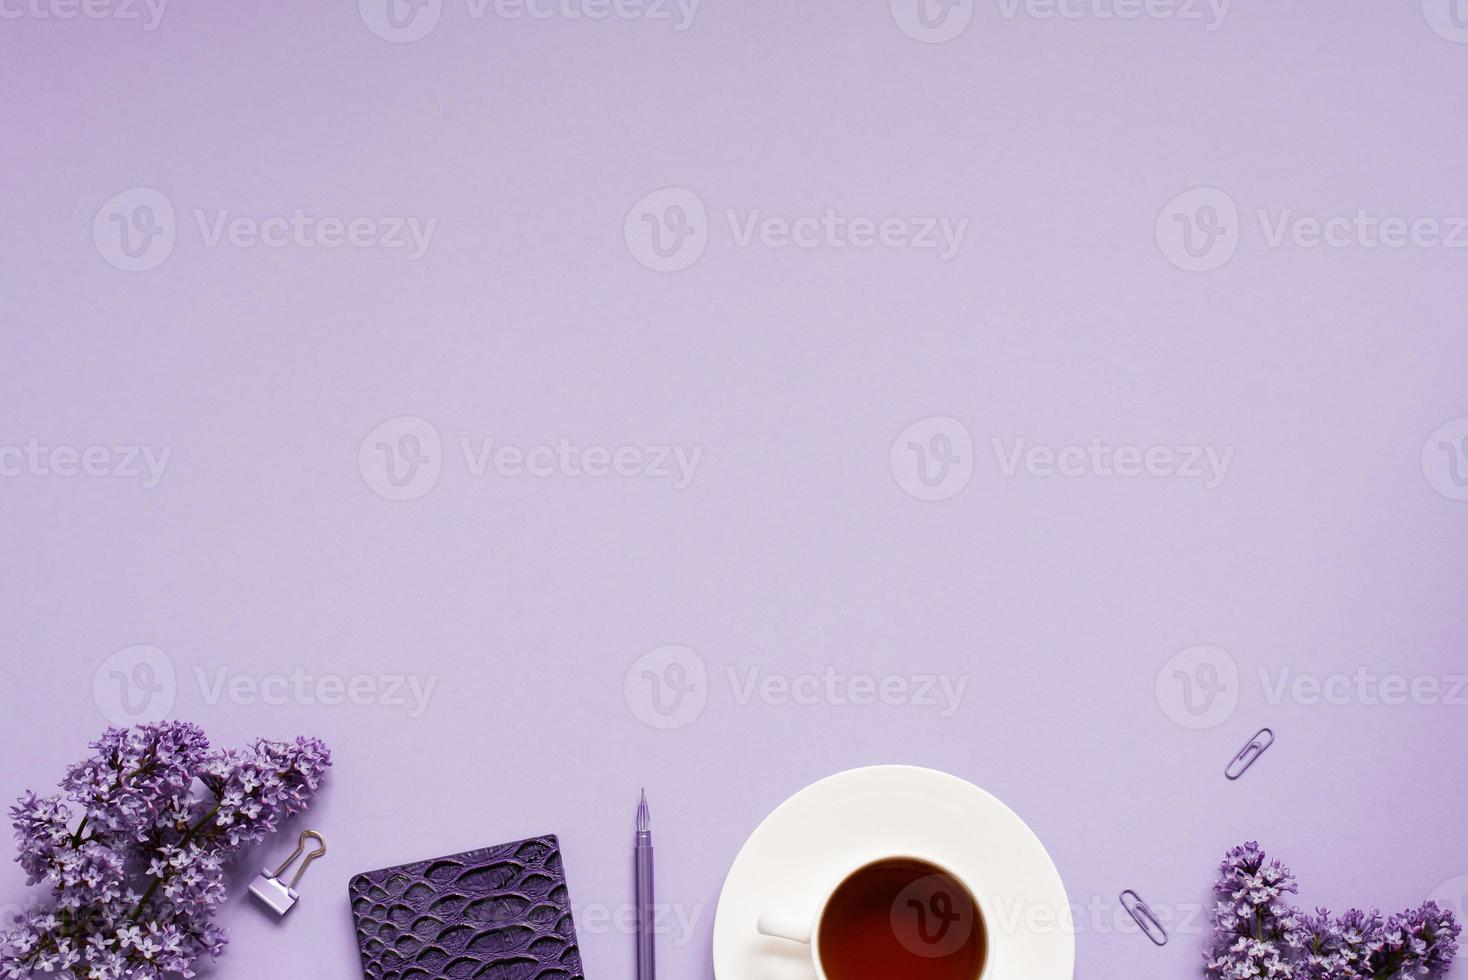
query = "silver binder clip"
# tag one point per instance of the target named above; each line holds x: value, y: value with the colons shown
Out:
x: 277, y: 895
x: 1145, y: 918
x: 1250, y: 754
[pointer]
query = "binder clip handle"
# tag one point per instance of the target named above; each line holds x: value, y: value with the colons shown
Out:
x: 319, y: 851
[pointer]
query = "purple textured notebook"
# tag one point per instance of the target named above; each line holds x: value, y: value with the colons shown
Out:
x: 498, y: 913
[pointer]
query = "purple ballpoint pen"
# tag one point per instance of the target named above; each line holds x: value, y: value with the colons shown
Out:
x: 646, y: 951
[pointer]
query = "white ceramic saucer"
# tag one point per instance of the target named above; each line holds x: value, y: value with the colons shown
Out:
x: 840, y: 823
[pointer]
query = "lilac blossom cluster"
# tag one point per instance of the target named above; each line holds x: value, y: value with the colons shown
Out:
x: 135, y: 851
x: 1259, y: 935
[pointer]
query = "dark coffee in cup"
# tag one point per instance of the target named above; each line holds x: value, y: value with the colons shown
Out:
x: 902, y: 919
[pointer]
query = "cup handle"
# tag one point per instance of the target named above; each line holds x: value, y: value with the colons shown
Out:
x: 782, y: 927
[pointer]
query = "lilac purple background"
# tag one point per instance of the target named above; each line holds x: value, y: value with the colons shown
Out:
x: 794, y: 549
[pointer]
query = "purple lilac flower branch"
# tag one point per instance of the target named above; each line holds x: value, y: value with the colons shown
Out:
x: 142, y: 820
x: 1258, y: 934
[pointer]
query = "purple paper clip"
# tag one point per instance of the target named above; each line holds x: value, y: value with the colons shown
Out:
x: 1145, y: 918
x: 1249, y: 754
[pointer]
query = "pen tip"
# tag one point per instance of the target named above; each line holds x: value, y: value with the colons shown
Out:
x: 644, y: 816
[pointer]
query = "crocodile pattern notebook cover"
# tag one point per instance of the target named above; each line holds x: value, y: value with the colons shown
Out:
x: 498, y: 913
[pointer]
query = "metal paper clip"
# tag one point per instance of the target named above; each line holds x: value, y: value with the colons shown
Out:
x: 1145, y: 918
x: 280, y: 897
x: 1250, y: 754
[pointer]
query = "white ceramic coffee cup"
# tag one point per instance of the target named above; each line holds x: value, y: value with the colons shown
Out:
x: 926, y: 892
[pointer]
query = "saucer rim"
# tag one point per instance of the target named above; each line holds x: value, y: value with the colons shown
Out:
x: 956, y: 781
